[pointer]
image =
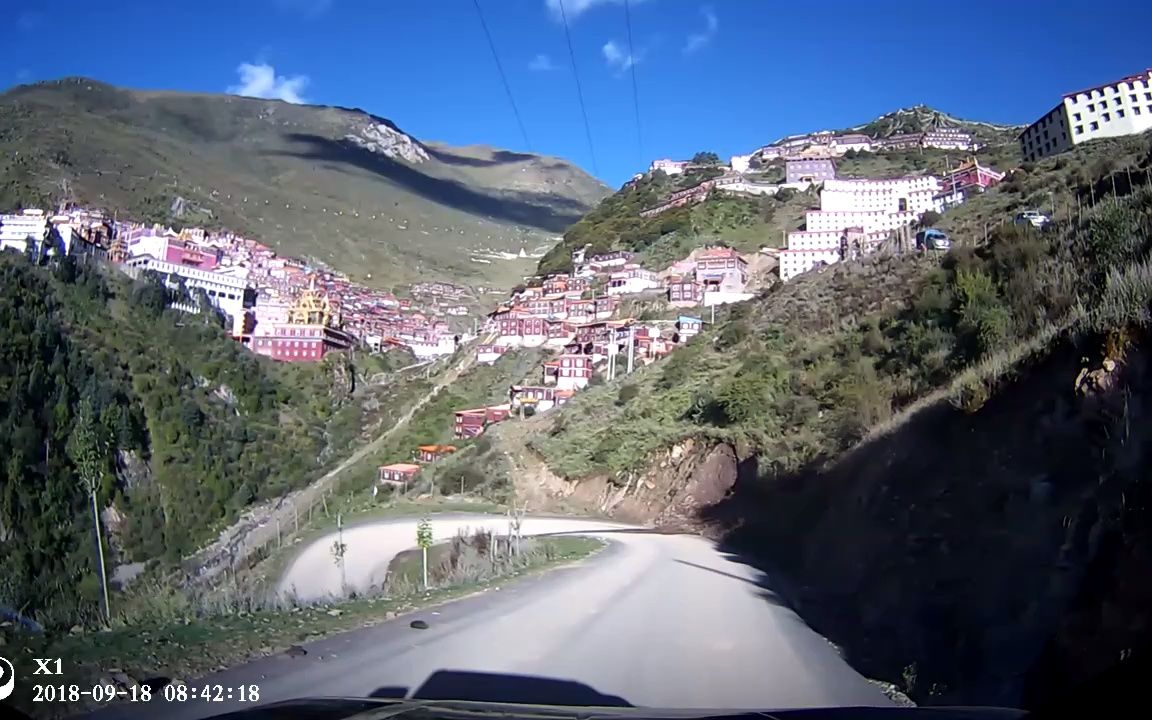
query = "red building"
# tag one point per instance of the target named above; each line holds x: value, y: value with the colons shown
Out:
x: 971, y: 175
x: 300, y: 343
x: 309, y: 333
x: 569, y: 372
x: 555, y: 285
x: 471, y: 423
x: 685, y: 291
x: 401, y: 474
x: 432, y: 453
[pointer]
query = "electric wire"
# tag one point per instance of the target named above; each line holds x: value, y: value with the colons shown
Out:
x: 579, y: 89
x: 503, y: 77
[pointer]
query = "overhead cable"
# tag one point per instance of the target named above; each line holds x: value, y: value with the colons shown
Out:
x: 635, y: 91
x: 503, y: 77
x: 579, y: 89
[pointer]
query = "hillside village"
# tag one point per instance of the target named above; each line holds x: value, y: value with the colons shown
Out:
x: 277, y: 306
x: 287, y: 310
x: 575, y: 315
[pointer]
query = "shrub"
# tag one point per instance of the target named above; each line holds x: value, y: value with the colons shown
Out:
x: 627, y: 393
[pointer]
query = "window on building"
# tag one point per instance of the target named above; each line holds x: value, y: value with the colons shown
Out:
x: 1136, y: 110
x: 1120, y: 113
x: 1091, y: 107
x: 1132, y: 97
x: 1079, y: 129
x: 1076, y: 117
x: 1103, y: 103
x: 1093, y: 125
x: 1148, y: 96
x: 1106, y: 117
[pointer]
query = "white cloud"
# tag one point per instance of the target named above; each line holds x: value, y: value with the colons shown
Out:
x: 575, y: 8
x: 615, y: 56
x: 541, y: 63
x: 261, y: 81
x: 698, y: 40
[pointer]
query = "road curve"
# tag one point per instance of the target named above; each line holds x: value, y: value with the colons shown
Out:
x: 658, y: 620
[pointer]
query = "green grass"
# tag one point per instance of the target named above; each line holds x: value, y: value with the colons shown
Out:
x: 193, y: 647
x: 284, y: 175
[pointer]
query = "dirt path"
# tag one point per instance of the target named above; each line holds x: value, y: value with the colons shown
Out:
x: 258, y: 526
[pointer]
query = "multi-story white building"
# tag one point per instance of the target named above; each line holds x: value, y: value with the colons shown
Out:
x: 1123, y: 107
x: 856, y: 212
x: 632, y: 279
x: 230, y: 293
x: 18, y: 228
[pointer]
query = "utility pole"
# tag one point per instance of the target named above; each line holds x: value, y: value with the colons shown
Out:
x: 713, y: 306
x: 631, y: 348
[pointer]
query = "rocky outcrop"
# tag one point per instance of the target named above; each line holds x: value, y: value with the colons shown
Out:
x: 387, y: 141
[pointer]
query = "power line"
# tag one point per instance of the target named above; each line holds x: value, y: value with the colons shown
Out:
x: 579, y: 90
x: 635, y: 92
x: 503, y: 76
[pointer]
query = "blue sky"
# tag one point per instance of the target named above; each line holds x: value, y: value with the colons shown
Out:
x: 721, y: 75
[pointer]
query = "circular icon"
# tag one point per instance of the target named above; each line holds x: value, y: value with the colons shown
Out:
x: 7, y: 678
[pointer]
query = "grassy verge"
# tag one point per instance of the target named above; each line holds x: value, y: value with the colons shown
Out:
x: 193, y: 647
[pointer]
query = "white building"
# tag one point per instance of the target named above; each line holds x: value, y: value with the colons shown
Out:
x: 797, y: 262
x: 856, y: 211
x: 425, y: 350
x: 229, y: 293
x: 1123, y: 107
x: 18, y: 228
x: 670, y: 167
x: 632, y: 280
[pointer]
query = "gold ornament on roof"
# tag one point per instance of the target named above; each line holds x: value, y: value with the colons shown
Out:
x: 312, y: 307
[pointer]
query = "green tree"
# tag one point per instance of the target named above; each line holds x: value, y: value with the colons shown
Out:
x: 705, y: 158
x: 88, y: 448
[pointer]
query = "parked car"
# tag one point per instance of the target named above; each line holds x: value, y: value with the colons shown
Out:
x: 1035, y: 218
x: 932, y: 239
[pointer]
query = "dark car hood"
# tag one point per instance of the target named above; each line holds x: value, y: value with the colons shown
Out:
x: 378, y: 708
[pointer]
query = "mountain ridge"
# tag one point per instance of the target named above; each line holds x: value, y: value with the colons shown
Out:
x: 339, y: 186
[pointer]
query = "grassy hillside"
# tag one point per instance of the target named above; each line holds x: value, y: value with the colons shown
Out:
x: 745, y: 223
x: 810, y: 367
x: 335, y: 185
x: 184, y: 427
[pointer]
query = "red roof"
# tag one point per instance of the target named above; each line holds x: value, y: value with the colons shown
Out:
x: 401, y: 467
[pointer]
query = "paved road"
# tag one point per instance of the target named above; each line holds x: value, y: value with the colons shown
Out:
x: 656, y: 620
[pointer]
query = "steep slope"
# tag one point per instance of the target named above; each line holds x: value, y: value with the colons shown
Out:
x: 184, y: 427
x: 336, y: 185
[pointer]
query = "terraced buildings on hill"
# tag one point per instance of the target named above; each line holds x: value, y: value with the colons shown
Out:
x: 281, y: 307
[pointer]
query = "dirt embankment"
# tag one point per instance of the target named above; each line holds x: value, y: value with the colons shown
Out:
x: 996, y: 558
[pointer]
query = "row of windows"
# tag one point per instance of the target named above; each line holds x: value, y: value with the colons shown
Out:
x: 1107, y: 117
x: 1132, y: 98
